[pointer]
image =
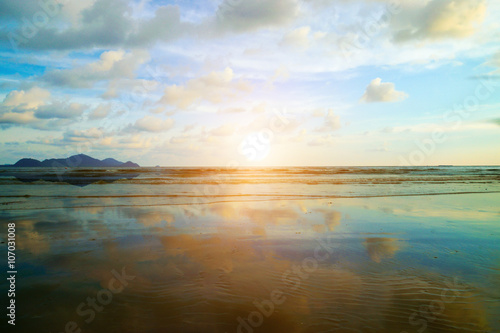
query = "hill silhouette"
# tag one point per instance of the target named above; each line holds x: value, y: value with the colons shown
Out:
x: 75, y: 161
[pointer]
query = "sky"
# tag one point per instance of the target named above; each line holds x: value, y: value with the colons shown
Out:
x: 252, y: 82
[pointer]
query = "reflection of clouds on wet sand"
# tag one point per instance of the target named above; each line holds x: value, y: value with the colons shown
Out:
x: 272, y: 216
x: 277, y: 214
x: 30, y: 240
x: 203, y: 275
x: 211, y: 280
x: 332, y: 219
x: 225, y: 251
x: 259, y: 218
x: 39, y: 232
x: 149, y: 217
x: 380, y: 248
x: 227, y: 211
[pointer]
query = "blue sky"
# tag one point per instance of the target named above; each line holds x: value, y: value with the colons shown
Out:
x: 275, y: 82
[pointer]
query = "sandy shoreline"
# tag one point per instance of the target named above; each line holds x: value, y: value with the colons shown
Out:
x: 380, y: 264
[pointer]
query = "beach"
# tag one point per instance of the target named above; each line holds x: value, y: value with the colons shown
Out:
x: 243, y: 166
x: 326, y: 249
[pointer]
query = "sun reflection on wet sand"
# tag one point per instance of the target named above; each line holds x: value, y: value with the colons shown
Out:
x: 345, y: 266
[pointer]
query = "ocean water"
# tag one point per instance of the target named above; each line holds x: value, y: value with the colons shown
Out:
x: 44, y: 188
x: 340, y: 249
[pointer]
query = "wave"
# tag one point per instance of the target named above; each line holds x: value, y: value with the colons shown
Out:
x: 238, y: 176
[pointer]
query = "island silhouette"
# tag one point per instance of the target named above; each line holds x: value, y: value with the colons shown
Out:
x: 70, y: 170
x: 75, y: 161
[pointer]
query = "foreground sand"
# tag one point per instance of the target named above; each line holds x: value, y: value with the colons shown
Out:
x: 383, y: 264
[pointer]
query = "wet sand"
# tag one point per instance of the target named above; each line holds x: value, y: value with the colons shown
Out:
x: 404, y: 263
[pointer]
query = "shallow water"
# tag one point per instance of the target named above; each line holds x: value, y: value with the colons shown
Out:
x: 257, y: 250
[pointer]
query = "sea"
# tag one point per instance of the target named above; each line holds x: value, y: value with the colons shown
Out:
x: 252, y: 249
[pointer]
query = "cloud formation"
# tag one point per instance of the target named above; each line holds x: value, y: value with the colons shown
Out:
x: 331, y: 122
x: 34, y: 105
x: 200, y: 76
x: 102, y: 24
x: 377, y: 91
x: 251, y: 15
x: 29, y: 99
x: 213, y: 87
x: 153, y: 124
x: 297, y: 38
x: 100, y: 112
x: 223, y: 130
x: 439, y: 19
x: 111, y: 65
x: 60, y: 110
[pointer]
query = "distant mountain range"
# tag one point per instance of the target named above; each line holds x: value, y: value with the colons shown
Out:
x: 75, y: 161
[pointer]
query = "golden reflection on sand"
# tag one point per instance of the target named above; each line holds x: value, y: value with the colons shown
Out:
x: 150, y: 218
x: 380, y: 248
x: 204, y: 275
x: 211, y: 280
x: 30, y: 240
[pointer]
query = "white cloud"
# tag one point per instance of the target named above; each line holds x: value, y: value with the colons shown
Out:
x: 319, y: 34
x: 100, y: 112
x: 153, y: 124
x: 259, y: 108
x: 439, y: 19
x: 280, y: 74
x: 111, y: 65
x: 136, y: 141
x: 34, y: 105
x: 377, y: 91
x: 318, y: 113
x: 331, y: 122
x: 324, y: 140
x: 60, y: 110
x: 136, y: 88
x: 213, y: 87
x: 223, y: 130
x: 251, y: 15
x: 30, y: 99
x: 84, y: 135
x: 97, y: 24
x: 231, y: 110
x: 179, y: 139
x: 17, y: 118
x: 99, y: 139
x: 297, y: 38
